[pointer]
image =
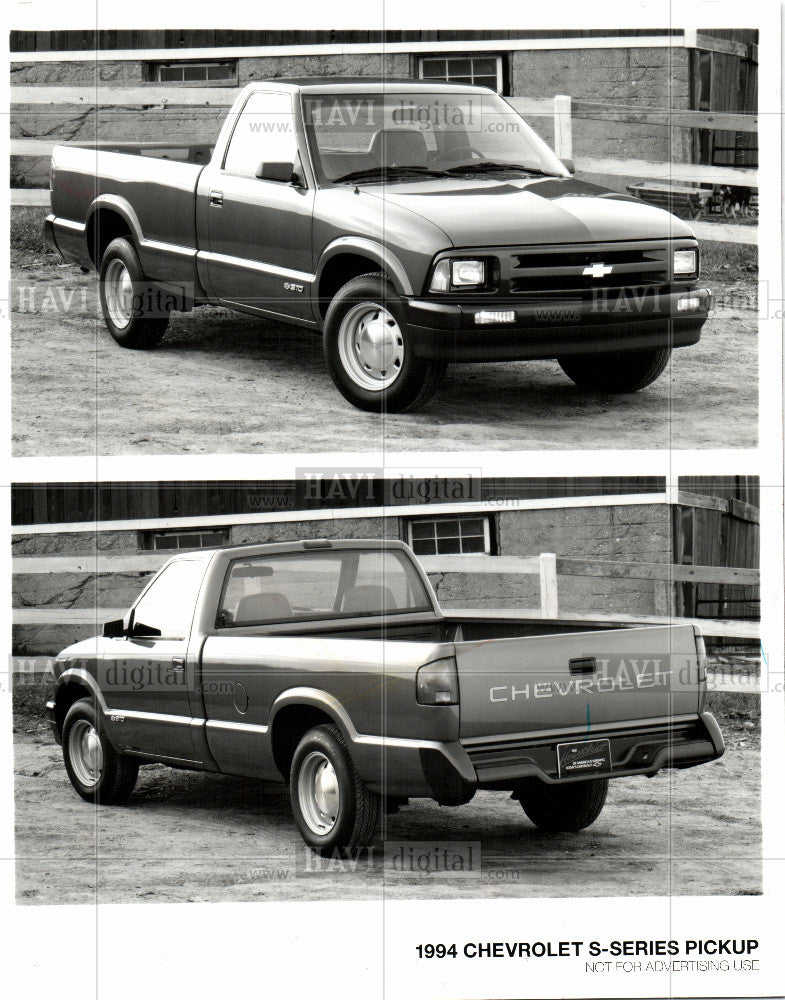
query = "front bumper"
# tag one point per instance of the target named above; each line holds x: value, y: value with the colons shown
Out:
x: 52, y: 720
x: 449, y: 331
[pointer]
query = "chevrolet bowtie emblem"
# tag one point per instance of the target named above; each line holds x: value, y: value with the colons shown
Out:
x: 597, y: 270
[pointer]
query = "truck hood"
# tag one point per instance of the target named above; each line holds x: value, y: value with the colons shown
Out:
x: 489, y: 212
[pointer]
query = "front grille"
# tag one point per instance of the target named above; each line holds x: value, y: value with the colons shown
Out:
x: 559, y: 271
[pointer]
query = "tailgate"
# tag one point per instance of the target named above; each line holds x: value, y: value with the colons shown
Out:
x: 581, y: 680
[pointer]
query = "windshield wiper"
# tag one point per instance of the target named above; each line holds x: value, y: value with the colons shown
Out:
x: 490, y: 166
x: 370, y: 173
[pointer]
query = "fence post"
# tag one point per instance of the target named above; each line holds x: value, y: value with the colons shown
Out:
x: 562, y: 126
x: 549, y: 594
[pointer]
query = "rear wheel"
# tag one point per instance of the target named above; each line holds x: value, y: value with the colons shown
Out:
x: 131, y: 307
x: 624, y: 372
x: 562, y: 808
x: 369, y: 350
x: 97, y: 771
x: 332, y: 807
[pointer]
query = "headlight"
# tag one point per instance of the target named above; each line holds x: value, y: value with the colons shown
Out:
x: 449, y: 275
x: 685, y: 262
x: 437, y: 683
x: 468, y: 272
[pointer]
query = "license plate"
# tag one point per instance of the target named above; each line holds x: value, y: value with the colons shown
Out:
x: 586, y: 757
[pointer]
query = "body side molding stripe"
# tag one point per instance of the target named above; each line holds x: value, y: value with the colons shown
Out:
x: 254, y: 265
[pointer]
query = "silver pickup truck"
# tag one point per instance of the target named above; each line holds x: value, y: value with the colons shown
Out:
x: 412, y: 224
x: 329, y: 665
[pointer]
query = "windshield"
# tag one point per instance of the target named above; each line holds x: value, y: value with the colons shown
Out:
x: 358, y: 137
x: 303, y: 586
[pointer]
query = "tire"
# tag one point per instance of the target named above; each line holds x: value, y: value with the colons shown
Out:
x: 113, y: 780
x: 388, y: 381
x: 562, y: 808
x: 625, y: 372
x: 123, y: 314
x: 332, y: 807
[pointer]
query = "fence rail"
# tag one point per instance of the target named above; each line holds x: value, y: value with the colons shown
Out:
x: 547, y: 567
x: 561, y: 108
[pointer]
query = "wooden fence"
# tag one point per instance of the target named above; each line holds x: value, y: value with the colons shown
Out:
x: 561, y: 108
x: 547, y: 567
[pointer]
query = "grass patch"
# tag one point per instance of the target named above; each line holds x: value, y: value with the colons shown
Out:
x: 28, y: 701
x: 728, y: 261
x: 27, y: 237
x: 737, y: 714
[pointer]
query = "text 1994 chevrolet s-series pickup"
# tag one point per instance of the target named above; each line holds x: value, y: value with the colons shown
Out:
x: 411, y: 223
x: 329, y: 665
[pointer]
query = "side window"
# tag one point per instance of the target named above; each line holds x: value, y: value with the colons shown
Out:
x: 264, y: 133
x: 168, y: 606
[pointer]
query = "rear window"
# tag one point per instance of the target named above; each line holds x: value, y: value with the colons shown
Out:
x: 303, y: 586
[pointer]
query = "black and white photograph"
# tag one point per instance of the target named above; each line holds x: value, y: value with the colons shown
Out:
x: 500, y: 239
x: 446, y: 687
x: 394, y: 480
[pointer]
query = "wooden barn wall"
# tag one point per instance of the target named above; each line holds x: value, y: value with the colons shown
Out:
x: 57, y: 503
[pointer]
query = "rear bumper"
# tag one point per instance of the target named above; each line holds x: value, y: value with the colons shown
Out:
x: 449, y: 331
x: 643, y: 750
x: 451, y: 773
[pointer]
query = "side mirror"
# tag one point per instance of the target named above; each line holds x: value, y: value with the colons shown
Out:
x: 114, y: 629
x: 276, y: 171
x: 142, y: 631
x: 569, y: 164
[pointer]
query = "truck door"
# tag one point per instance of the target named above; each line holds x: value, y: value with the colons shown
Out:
x: 148, y: 678
x: 259, y: 231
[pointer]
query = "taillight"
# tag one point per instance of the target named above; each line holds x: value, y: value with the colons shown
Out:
x: 437, y: 683
x: 700, y: 646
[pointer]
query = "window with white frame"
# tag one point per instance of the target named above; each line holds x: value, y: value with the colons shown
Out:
x: 464, y: 534
x: 483, y: 70
x: 205, y: 71
x: 194, y: 538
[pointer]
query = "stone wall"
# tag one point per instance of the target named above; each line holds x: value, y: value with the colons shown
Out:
x: 646, y: 77
x: 629, y: 533
x: 641, y: 76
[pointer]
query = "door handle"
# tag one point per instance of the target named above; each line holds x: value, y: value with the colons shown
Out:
x: 583, y: 665
x: 178, y: 663
x: 216, y: 198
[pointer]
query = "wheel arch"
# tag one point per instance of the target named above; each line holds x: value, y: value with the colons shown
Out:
x: 296, y: 711
x: 110, y: 217
x: 349, y: 257
x: 72, y: 686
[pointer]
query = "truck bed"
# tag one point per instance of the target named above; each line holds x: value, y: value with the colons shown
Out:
x: 161, y: 188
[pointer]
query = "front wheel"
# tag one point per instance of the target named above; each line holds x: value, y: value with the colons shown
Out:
x: 562, y: 808
x: 616, y: 373
x: 332, y: 807
x: 369, y: 352
x: 97, y: 771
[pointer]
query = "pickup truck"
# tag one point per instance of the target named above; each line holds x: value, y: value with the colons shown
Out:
x: 410, y: 223
x: 330, y: 666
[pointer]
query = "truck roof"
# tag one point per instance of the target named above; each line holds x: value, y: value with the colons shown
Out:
x: 306, y: 545
x: 364, y: 85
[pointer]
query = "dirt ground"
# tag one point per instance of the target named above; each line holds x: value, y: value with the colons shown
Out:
x: 186, y: 837
x: 225, y: 383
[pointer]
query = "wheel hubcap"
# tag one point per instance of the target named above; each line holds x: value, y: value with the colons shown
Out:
x: 119, y: 293
x: 86, y: 752
x: 318, y: 793
x: 371, y: 347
